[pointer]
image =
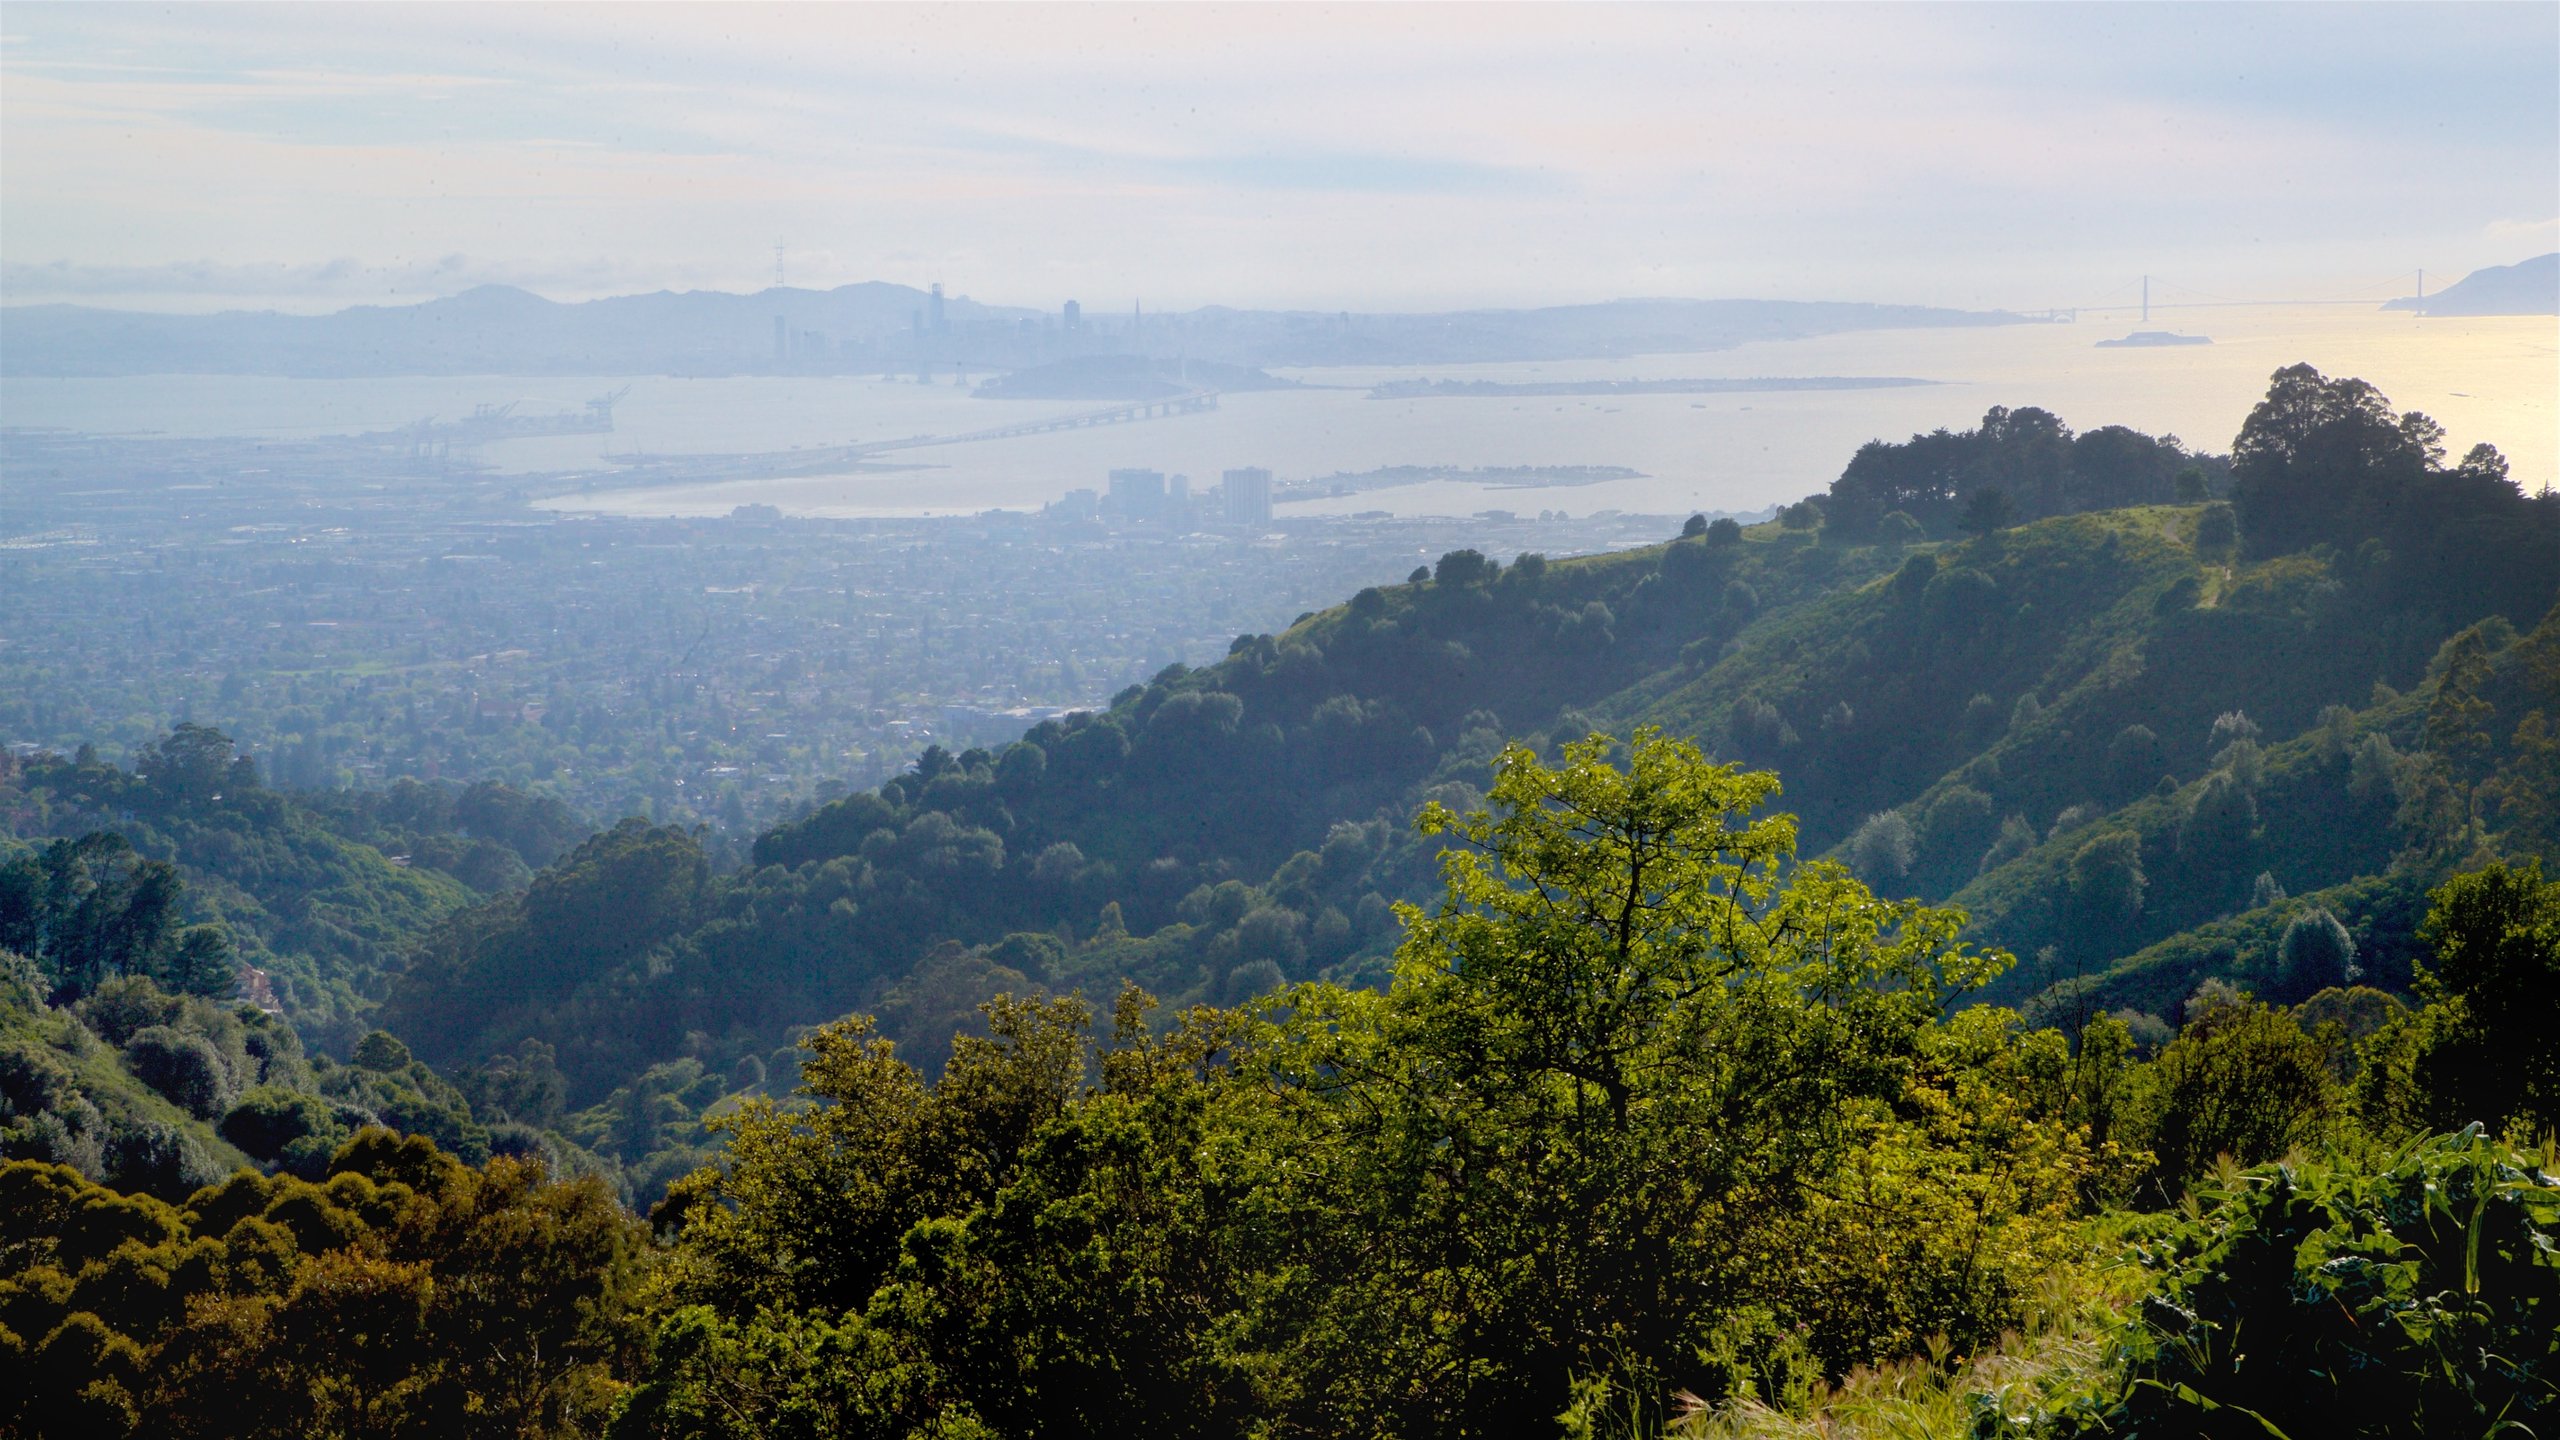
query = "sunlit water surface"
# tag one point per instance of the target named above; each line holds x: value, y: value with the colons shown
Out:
x: 2493, y: 379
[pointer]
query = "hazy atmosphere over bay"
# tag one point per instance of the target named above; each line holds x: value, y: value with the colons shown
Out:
x: 1420, y: 158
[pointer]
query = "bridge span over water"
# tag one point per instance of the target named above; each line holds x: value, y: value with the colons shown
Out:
x: 638, y: 468
x: 1190, y: 402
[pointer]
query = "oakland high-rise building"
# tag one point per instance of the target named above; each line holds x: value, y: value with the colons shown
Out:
x: 1247, y: 493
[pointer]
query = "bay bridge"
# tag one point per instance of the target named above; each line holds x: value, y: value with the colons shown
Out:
x: 821, y: 459
x: 1189, y: 402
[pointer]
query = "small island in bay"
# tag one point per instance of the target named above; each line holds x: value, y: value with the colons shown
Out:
x: 2148, y: 339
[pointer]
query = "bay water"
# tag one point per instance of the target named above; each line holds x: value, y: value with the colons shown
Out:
x: 2494, y: 379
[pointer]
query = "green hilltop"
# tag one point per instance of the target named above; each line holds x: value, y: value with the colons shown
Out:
x: 1850, y: 930
x: 2131, y: 733
x: 2133, y: 708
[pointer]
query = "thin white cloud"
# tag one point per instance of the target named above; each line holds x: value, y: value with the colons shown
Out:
x: 2522, y: 229
x: 1364, y: 156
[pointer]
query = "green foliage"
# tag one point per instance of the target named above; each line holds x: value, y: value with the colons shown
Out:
x: 1989, y: 509
x: 1620, y: 984
x: 90, y: 909
x: 285, y: 1127
x: 2490, y: 1052
x: 379, y: 1050
x: 1957, y: 825
x: 402, y: 1294
x: 384, y: 1085
x: 1463, y: 567
x: 165, y: 1093
x: 2107, y: 884
x: 1226, y: 773
x: 1646, y: 1103
x: 191, y: 882
x: 1649, y: 1107
x: 183, y: 1067
x: 2315, y: 953
x: 2411, y: 1296
x: 121, y: 1087
x: 2020, y: 464
x: 2242, y: 1081
x: 2015, y: 840
x: 2217, y: 531
x: 647, y: 1133
x: 193, y: 764
x: 1642, y: 1100
x: 1883, y: 848
x: 479, y: 982
x: 2322, y: 804
x: 1877, y: 699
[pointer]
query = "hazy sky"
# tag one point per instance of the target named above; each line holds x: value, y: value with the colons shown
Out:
x: 195, y: 156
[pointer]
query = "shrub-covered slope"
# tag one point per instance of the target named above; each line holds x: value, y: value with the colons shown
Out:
x: 323, y: 891
x: 1961, y: 717
x: 2147, y: 738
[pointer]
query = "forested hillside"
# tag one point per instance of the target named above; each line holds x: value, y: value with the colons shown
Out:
x: 2100, y: 730
x: 199, y: 960
x: 1656, y: 1131
x: 324, y: 891
x: 1988, y: 848
x: 2139, y: 737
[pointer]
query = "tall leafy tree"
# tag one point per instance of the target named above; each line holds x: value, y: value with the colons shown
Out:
x: 1647, y: 1104
x: 2493, y: 1054
x: 195, y: 764
x: 1620, y: 1067
x: 89, y: 909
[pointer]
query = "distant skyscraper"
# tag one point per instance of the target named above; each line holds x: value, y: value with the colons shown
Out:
x: 939, y: 324
x: 1138, y: 494
x: 781, y: 340
x: 1075, y: 317
x: 1247, y: 494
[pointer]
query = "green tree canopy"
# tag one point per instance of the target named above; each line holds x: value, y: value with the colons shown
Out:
x: 1647, y: 1100
x: 2495, y: 1054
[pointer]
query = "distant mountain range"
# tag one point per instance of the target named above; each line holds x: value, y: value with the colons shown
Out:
x: 498, y: 330
x: 489, y: 330
x: 2528, y: 287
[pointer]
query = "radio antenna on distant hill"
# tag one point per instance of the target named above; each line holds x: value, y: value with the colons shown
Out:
x: 777, y: 264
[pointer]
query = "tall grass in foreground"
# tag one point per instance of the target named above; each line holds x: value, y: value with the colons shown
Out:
x: 2399, y: 1292
x: 2060, y: 1350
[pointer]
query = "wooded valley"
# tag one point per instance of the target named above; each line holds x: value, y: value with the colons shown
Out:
x: 2055, y: 936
